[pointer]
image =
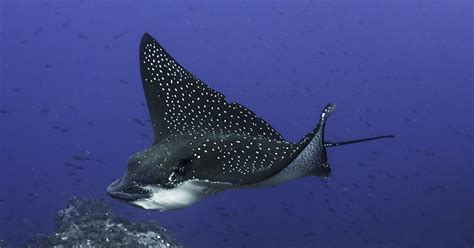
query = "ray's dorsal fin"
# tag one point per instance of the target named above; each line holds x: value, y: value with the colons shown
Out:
x: 179, y: 103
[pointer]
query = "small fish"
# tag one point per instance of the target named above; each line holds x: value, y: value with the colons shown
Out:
x: 32, y: 194
x: 37, y: 31
x: 80, y: 158
x: 425, y: 152
x: 226, y: 215
x: 138, y: 121
x: 82, y: 36
x: 119, y: 35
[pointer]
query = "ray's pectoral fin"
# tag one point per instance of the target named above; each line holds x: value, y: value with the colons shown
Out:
x: 179, y: 103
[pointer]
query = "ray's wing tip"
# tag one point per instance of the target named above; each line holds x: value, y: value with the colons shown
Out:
x: 146, y: 35
x: 146, y: 39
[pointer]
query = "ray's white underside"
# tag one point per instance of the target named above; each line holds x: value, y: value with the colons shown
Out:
x: 190, y: 192
x: 183, y: 195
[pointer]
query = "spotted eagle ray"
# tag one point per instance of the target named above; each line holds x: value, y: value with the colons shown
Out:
x: 204, y: 144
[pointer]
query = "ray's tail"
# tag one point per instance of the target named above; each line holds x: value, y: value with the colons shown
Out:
x: 331, y: 144
x: 320, y: 129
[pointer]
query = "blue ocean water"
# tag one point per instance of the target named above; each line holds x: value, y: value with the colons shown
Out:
x: 71, y: 94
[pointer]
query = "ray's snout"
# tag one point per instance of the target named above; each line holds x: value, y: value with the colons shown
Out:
x: 119, y: 189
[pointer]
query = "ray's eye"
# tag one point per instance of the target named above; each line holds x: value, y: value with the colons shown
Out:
x: 182, y: 167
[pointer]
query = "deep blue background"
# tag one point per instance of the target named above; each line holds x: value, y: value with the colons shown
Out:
x: 70, y: 85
